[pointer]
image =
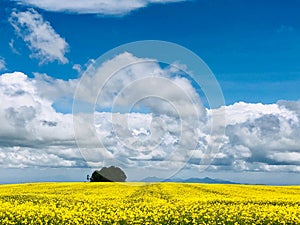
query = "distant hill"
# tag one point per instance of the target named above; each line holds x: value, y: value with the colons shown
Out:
x: 151, y: 179
x: 206, y: 180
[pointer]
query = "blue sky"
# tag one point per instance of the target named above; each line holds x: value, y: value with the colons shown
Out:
x: 252, y: 47
x: 247, y: 44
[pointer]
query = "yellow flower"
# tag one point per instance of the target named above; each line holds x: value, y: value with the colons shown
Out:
x: 160, y: 203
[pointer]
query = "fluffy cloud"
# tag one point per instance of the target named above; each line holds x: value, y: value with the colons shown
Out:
x: 30, y: 127
x: 45, y: 44
x: 54, y: 89
x: 154, y: 133
x: 125, y: 84
x: 2, y: 64
x: 261, y: 137
x: 126, y: 81
x: 20, y: 157
x: 105, y: 7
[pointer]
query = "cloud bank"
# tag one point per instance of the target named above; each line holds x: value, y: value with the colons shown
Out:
x: 104, y: 7
x: 40, y: 37
x: 32, y: 133
x: 258, y: 137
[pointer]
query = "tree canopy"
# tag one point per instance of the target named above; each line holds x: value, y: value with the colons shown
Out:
x: 108, y: 174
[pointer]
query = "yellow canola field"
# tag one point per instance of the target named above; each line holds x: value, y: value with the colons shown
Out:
x: 138, y: 203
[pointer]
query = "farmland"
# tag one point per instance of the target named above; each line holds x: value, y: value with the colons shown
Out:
x: 140, y: 203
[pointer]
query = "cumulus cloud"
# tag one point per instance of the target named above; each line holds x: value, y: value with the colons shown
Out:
x: 28, y: 121
x: 154, y: 133
x: 22, y: 157
x: 45, y: 44
x: 126, y: 85
x: 258, y: 138
x: 261, y: 137
x: 54, y: 89
x: 104, y: 7
x: 126, y: 80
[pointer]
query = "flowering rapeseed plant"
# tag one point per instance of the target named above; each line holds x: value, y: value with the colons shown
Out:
x: 159, y: 203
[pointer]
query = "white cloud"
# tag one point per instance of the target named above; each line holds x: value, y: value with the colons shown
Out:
x: 22, y: 157
x: 45, y: 44
x: 80, y: 69
x: 12, y: 47
x: 289, y: 157
x: 126, y: 79
x: 2, y: 64
x: 77, y: 67
x: 127, y: 83
x: 29, y: 124
x: 54, y: 89
x: 259, y: 137
x: 104, y: 7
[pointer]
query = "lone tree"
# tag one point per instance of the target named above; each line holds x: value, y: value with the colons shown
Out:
x: 108, y: 174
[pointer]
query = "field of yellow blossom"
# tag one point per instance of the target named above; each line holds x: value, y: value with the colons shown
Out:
x: 140, y: 203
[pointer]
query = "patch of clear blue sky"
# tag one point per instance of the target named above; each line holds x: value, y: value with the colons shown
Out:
x: 252, y: 46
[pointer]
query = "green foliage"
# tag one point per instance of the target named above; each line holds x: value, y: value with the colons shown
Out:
x: 108, y: 174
